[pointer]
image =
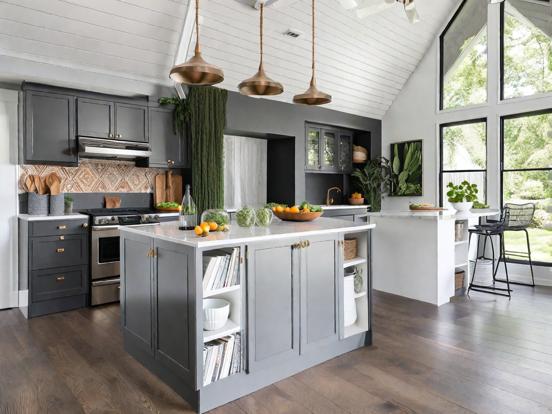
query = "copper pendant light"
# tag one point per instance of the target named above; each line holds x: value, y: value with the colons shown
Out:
x: 313, y: 96
x: 260, y: 84
x: 196, y: 71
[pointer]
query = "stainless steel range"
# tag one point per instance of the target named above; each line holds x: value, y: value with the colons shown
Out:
x: 104, y: 246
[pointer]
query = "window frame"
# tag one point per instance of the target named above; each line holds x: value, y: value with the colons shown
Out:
x: 503, y: 170
x: 441, y: 153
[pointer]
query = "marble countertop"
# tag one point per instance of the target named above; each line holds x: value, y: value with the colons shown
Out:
x: 324, y: 207
x: 444, y: 214
x: 277, y: 230
x: 75, y: 216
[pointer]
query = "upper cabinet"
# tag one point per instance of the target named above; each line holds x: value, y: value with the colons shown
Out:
x: 49, y: 134
x: 166, y: 145
x: 328, y: 150
x: 112, y: 120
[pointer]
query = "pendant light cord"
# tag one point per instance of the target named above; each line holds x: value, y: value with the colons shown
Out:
x: 197, y: 26
x: 313, y: 81
x: 262, y: 29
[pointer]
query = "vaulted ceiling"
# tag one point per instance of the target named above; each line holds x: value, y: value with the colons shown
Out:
x: 362, y: 63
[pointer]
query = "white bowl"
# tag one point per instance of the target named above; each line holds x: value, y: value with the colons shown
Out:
x: 215, y: 313
x: 463, y: 206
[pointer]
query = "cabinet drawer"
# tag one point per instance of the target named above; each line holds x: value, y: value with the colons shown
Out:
x: 58, y: 251
x: 59, y: 227
x: 58, y: 283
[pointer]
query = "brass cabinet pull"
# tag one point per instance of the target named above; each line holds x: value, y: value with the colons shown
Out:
x: 296, y: 246
x: 62, y: 227
x: 60, y: 250
x: 60, y: 278
x: 62, y: 237
x: 84, y: 225
x: 152, y: 253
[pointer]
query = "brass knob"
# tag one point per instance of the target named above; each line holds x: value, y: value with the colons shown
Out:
x: 296, y: 246
x: 62, y: 237
x: 60, y: 250
x: 119, y: 135
x: 62, y: 227
x: 84, y: 225
x: 60, y: 278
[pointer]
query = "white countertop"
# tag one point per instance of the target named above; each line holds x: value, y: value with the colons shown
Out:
x: 75, y: 216
x: 440, y: 215
x: 324, y: 207
x: 277, y: 230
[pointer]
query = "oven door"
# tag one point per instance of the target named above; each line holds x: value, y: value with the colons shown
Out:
x: 105, y: 257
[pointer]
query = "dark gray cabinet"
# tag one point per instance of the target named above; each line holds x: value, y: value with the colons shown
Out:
x: 166, y: 145
x: 328, y: 150
x: 53, y: 263
x: 158, y: 314
x: 49, y: 133
x: 131, y: 122
x: 273, y: 299
x: 319, y: 293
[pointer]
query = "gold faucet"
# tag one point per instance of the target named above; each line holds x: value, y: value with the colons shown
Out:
x: 330, y: 201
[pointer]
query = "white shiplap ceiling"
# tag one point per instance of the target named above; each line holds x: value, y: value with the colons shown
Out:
x: 362, y: 63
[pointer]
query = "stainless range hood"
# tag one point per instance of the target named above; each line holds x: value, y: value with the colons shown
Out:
x: 108, y: 149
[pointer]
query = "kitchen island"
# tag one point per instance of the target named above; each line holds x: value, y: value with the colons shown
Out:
x: 285, y: 287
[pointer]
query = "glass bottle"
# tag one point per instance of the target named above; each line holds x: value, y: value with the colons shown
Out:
x: 188, y: 211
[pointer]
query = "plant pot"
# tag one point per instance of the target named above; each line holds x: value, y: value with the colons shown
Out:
x: 463, y: 206
x: 215, y: 313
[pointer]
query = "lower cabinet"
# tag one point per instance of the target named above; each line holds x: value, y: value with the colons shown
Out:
x: 158, y: 314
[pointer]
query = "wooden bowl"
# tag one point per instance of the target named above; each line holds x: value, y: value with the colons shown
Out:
x: 298, y: 216
x: 356, y: 201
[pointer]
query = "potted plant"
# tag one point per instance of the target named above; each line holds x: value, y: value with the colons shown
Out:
x: 462, y: 196
x: 374, y: 179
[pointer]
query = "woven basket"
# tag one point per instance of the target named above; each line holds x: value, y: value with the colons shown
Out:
x: 360, y: 154
x: 350, y: 249
x: 459, y: 280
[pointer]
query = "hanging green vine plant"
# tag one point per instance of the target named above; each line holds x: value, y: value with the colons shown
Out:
x: 181, y: 113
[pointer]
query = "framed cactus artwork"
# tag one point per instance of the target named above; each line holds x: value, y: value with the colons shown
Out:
x: 407, y: 168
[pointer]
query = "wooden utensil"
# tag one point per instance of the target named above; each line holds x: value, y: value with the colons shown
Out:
x: 112, y: 202
x: 57, y: 184
x: 168, y: 186
x: 29, y: 184
x: 160, y: 189
x: 38, y: 184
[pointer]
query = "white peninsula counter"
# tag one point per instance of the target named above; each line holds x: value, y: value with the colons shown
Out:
x: 416, y: 254
x: 290, y: 306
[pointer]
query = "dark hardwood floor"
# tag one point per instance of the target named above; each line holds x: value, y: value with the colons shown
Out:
x: 484, y: 355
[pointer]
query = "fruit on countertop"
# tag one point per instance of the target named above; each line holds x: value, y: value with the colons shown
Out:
x: 213, y: 226
x: 198, y: 230
x: 356, y: 196
x: 263, y: 217
x: 245, y: 217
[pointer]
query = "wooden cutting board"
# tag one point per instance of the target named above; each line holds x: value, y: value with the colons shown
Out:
x: 161, y: 194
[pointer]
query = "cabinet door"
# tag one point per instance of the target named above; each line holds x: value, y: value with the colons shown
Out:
x: 136, y: 297
x: 174, y: 313
x: 319, y: 293
x: 95, y: 118
x: 50, y: 128
x: 273, y: 303
x: 131, y: 122
x: 329, y: 152
x: 312, y: 153
x: 345, y: 152
x: 166, y: 145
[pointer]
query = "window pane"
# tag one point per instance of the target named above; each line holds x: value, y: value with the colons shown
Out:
x: 464, y: 147
x: 527, y: 48
x: 531, y: 187
x: 479, y: 178
x: 464, y: 60
x: 528, y: 142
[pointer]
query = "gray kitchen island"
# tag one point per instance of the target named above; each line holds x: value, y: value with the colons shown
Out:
x: 285, y: 288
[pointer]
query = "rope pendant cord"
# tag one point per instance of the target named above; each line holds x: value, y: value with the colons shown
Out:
x: 313, y: 81
x: 197, y: 26
x: 262, y: 29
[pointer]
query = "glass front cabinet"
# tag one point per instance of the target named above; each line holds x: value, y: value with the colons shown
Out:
x: 328, y: 150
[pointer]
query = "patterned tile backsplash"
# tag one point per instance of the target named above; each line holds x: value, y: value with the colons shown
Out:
x: 97, y: 177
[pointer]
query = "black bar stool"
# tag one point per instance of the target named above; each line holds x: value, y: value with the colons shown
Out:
x: 520, y: 218
x: 488, y: 230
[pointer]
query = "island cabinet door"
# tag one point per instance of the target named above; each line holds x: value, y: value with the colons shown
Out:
x: 319, y: 292
x: 174, y: 312
x: 273, y: 303
x: 137, y: 290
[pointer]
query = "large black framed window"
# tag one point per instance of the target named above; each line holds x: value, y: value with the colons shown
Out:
x: 463, y: 156
x: 525, y: 48
x: 463, y: 57
x: 526, y: 176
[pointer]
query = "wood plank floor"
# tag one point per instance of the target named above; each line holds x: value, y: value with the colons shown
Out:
x: 484, y: 355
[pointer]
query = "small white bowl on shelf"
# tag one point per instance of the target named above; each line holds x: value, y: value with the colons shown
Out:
x: 215, y: 313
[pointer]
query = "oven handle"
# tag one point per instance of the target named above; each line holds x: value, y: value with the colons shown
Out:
x: 105, y: 228
x: 106, y: 282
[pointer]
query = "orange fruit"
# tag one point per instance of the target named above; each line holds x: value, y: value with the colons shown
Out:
x: 287, y: 209
x: 294, y: 209
x: 205, y: 227
x: 274, y: 208
x: 198, y: 230
x: 279, y: 209
x: 213, y: 226
x: 305, y: 210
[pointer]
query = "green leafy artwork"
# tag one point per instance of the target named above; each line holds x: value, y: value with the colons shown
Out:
x: 406, y: 162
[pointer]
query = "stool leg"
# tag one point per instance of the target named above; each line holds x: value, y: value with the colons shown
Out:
x: 529, y: 255
x: 484, y: 247
x: 503, y: 254
x: 500, y: 244
x: 493, y: 267
x: 474, y: 265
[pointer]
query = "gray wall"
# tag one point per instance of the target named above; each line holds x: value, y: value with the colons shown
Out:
x: 250, y: 116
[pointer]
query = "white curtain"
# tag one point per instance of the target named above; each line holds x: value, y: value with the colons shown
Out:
x: 244, y: 171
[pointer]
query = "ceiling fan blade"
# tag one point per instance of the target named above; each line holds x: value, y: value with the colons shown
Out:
x: 413, y: 16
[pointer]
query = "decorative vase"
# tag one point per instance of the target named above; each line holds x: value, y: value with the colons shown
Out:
x: 463, y: 206
x: 349, y: 304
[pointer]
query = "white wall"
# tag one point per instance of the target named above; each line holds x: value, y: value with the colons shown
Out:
x: 415, y: 115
